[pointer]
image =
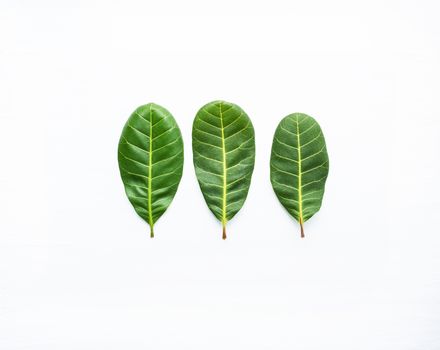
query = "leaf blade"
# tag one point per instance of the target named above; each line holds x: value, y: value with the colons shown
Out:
x: 224, y: 156
x: 150, y: 158
x: 299, y: 166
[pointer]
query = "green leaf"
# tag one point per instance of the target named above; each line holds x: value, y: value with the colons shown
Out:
x: 150, y: 156
x: 224, y: 155
x: 299, y: 166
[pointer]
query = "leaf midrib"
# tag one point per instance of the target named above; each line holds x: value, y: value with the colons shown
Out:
x: 298, y: 139
x: 224, y: 167
x: 150, y: 162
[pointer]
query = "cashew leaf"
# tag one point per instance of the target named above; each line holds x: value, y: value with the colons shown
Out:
x: 299, y: 166
x: 150, y: 156
x: 223, y: 143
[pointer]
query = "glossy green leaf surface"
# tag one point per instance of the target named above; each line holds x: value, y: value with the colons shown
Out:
x: 223, y: 143
x: 299, y: 166
x: 150, y: 156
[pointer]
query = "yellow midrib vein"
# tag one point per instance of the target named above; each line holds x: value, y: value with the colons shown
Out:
x: 224, y: 169
x: 150, y: 162
x: 299, y: 176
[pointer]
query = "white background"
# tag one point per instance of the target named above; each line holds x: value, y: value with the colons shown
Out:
x: 77, y: 267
